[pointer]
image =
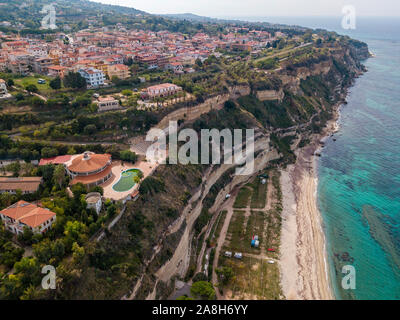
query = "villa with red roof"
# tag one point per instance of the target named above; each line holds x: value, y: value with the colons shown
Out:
x: 160, y: 90
x: 24, y: 214
x: 90, y: 169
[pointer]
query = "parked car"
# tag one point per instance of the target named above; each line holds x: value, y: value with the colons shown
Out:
x: 41, y: 81
x: 228, y: 254
x: 238, y: 255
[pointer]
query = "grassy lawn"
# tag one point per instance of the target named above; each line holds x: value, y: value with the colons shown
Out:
x: 34, y: 80
x: 272, y: 232
x: 254, y: 279
x: 236, y: 231
x: 242, y: 199
x: 255, y: 226
x: 240, y: 235
x: 274, y: 218
x: 259, y: 196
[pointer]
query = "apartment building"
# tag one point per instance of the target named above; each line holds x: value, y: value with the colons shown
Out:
x: 94, y: 78
x: 120, y: 71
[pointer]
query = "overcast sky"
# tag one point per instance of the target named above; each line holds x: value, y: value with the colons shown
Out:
x: 263, y: 8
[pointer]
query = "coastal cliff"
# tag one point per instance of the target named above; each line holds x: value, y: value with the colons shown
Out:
x: 152, y: 245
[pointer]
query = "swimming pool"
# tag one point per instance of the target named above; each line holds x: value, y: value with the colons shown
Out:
x: 126, y: 181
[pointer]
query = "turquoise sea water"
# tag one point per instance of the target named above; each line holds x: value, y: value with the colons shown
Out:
x: 359, y: 173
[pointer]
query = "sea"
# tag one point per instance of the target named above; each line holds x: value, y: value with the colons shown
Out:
x: 359, y: 171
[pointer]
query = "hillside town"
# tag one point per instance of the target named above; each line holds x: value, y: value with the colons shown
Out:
x: 100, y: 55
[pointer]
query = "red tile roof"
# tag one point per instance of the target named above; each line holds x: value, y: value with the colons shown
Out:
x: 55, y: 160
x: 28, y: 213
x: 92, y: 163
x: 25, y: 184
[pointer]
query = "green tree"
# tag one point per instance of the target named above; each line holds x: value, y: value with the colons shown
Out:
x: 29, y: 270
x: 226, y: 274
x: 26, y: 236
x: 32, y: 88
x: 55, y: 83
x: 89, y: 129
x: 203, y: 290
x: 48, y: 152
x: 75, y: 230
x: 43, y: 251
x: 78, y: 252
x: 14, y: 167
x: 59, y: 175
x: 74, y: 80
x: 229, y: 105
x: 19, y: 96
x: 127, y: 155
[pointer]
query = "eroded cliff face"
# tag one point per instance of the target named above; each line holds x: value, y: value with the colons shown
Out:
x: 270, y: 95
x: 214, y: 103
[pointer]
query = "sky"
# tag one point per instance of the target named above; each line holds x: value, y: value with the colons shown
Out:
x: 263, y: 8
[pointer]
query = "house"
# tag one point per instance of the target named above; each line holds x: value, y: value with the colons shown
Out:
x: 120, y: 71
x: 41, y: 65
x: 24, y: 214
x: 160, y: 90
x: 90, y: 169
x: 107, y: 104
x: 94, y: 77
x: 57, y: 71
x: 19, y: 67
x: 25, y: 184
x: 174, y: 66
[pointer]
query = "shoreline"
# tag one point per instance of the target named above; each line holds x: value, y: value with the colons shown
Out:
x: 303, y: 260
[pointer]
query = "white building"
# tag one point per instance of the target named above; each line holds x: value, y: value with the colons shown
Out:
x: 3, y: 88
x: 107, y: 104
x: 24, y: 214
x: 93, y: 200
x: 94, y: 77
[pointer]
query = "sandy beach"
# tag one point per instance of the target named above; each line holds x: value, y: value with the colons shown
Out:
x: 303, y: 261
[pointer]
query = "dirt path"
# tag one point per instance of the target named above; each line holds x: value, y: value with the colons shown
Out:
x: 221, y: 240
